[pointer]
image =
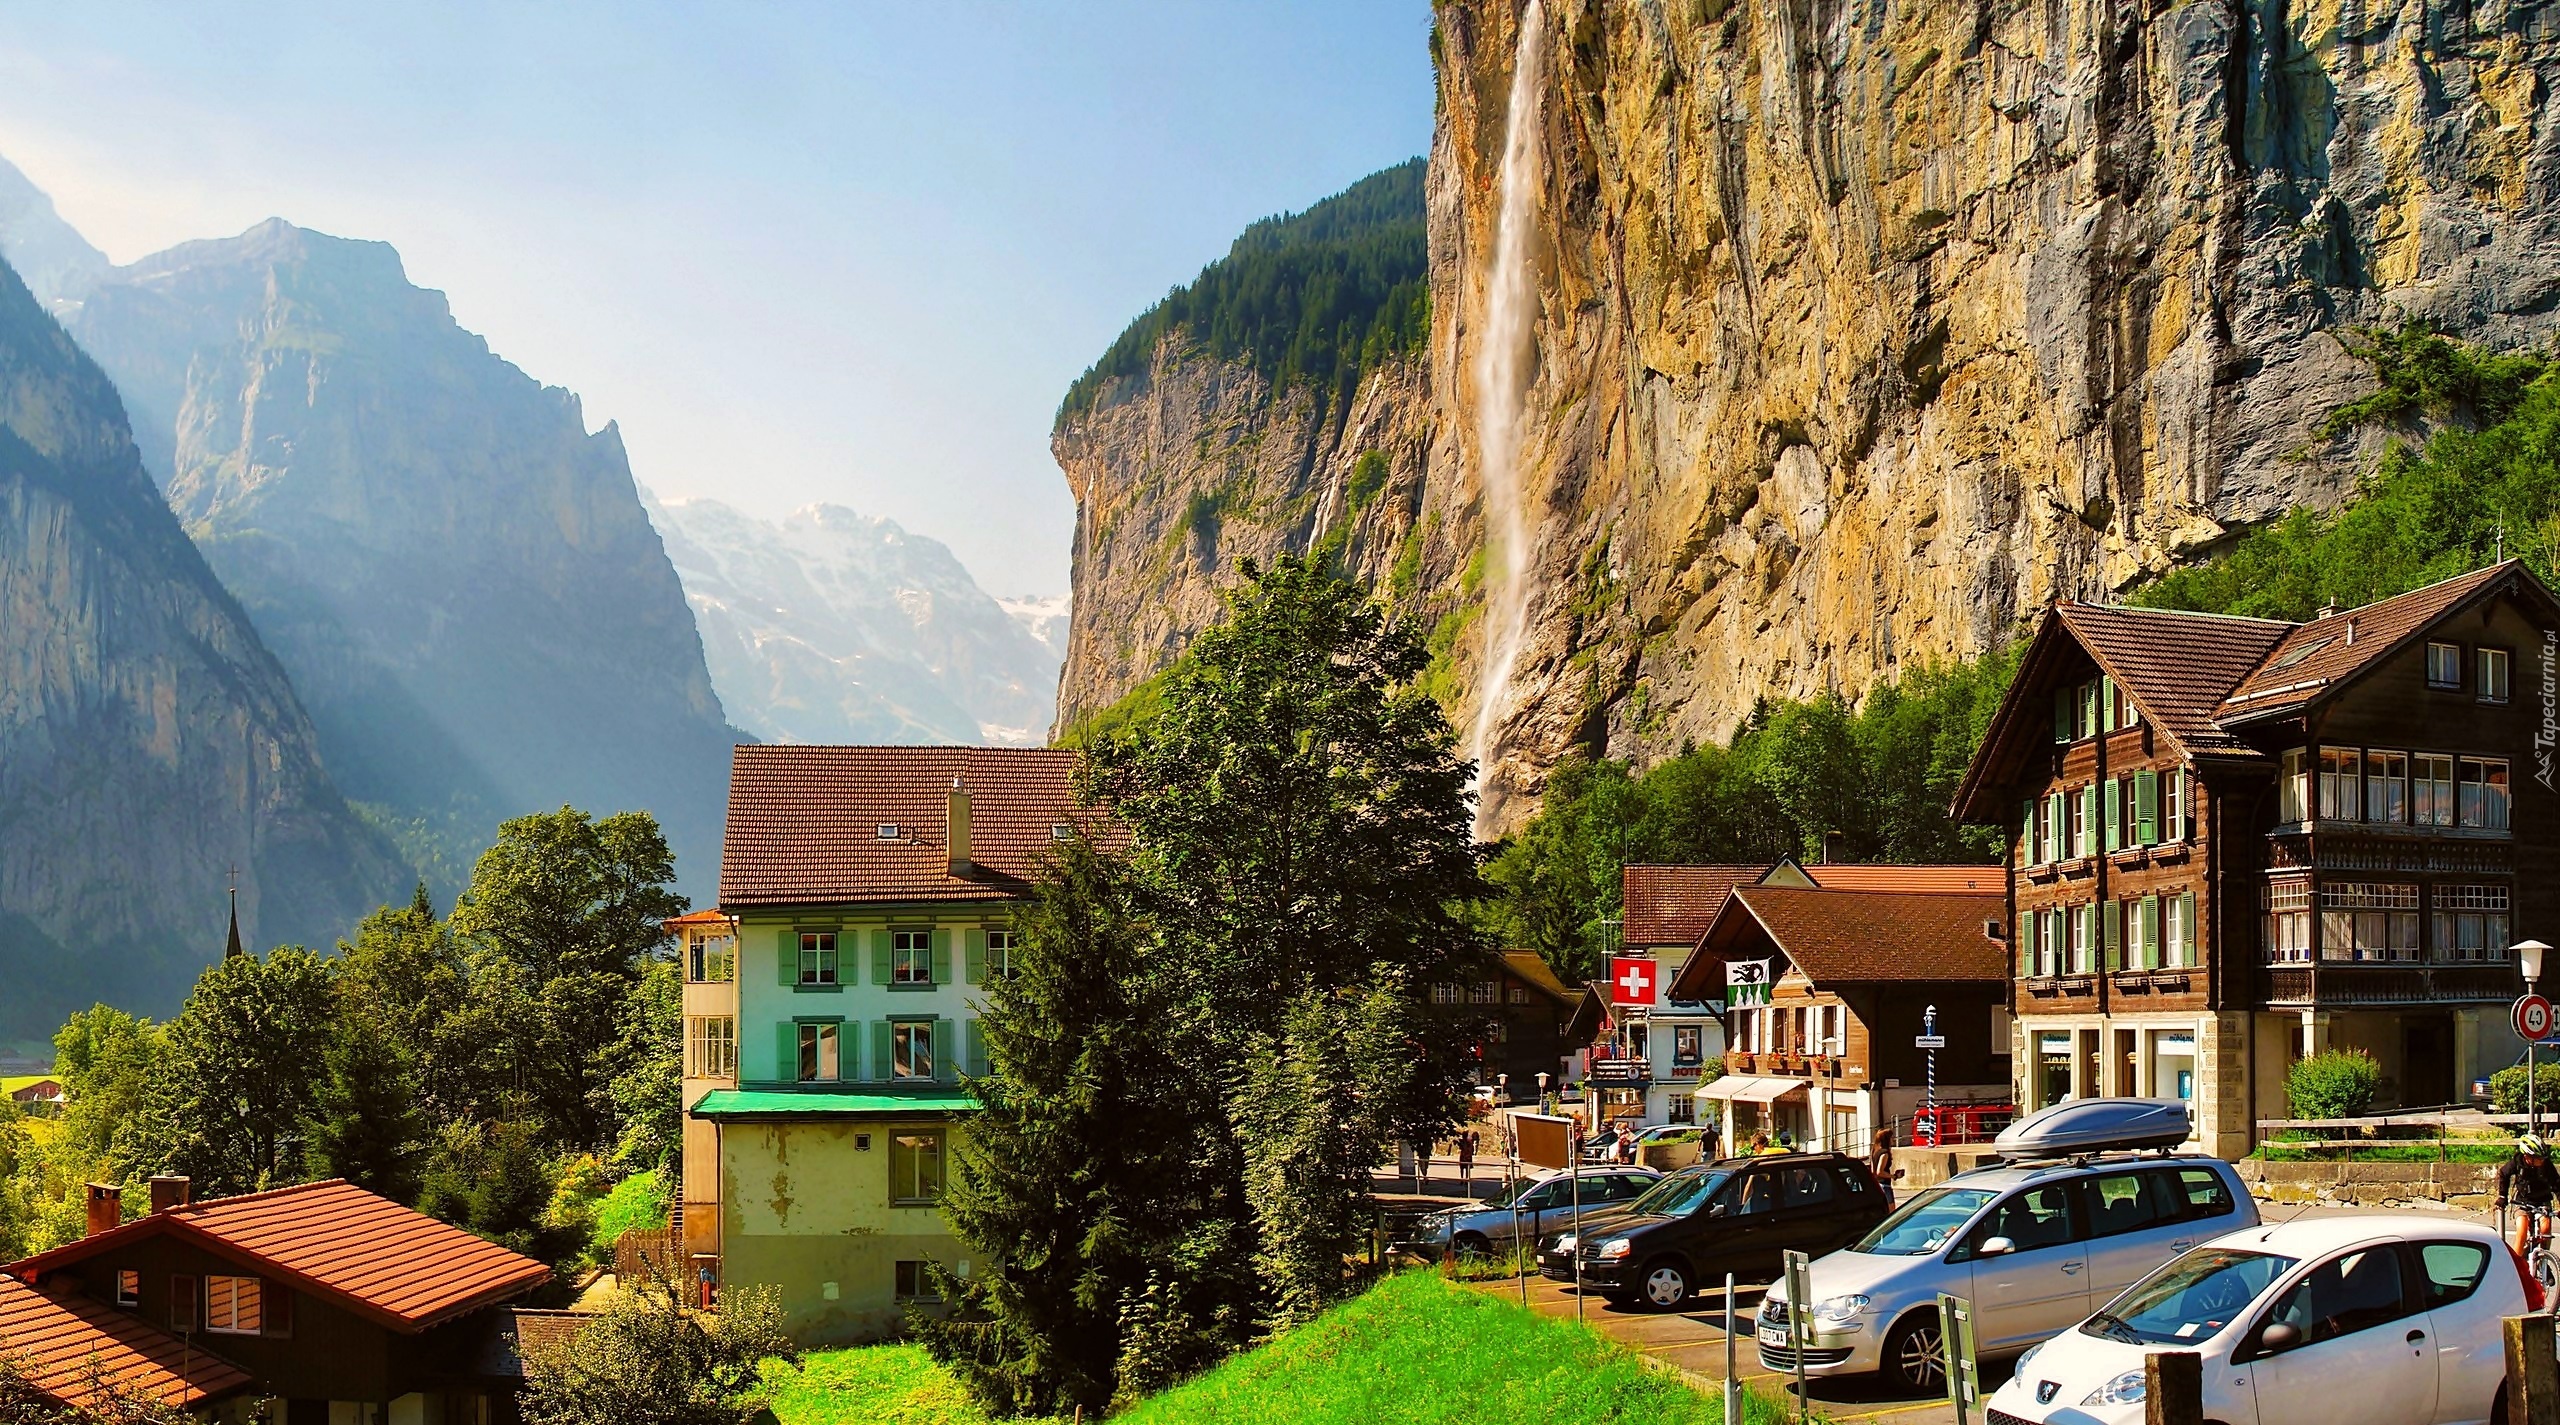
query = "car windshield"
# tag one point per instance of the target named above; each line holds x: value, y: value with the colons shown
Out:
x: 2188, y: 1300
x: 1677, y: 1195
x: 1924, y: 1224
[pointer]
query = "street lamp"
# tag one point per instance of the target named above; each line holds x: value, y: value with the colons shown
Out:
x: 2529, y: 955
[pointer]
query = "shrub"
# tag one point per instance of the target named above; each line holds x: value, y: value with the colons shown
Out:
x: 2337, y: 1084
x: 2506, y: 1088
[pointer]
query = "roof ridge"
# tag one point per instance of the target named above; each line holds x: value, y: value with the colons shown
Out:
x: 2181, y: 613
x: 916, y: 748
x: 2421, y: 589
x: 288, y: 1190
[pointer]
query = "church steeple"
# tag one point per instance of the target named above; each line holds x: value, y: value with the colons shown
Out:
x: 231, y: 947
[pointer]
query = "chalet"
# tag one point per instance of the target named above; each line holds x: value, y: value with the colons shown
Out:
x: 873, y: 891
x: 2237, y: 841
x: 1828, y: 1055
x: 350, y: 1308
x: 1527, y: 1012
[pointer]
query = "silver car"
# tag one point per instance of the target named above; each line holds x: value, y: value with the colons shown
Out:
x: 1536, y: 1207
x: 2035, y: 1247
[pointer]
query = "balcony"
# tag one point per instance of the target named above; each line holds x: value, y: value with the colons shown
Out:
x: 2352, y: 983
x: 1621, y: 1072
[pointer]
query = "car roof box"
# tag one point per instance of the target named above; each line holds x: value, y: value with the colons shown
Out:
x: 2095, y: 1125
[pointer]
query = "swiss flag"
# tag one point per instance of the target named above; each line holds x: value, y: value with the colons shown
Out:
x: 1631, y: 980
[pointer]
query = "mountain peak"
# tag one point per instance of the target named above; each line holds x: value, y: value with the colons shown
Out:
x: 55, y: 261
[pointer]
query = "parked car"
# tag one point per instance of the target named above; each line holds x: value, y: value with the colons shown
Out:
x: 1741, y: 1215
x: 2371, y: 1320
x: 2034, y: 1246
x: 1555, y: 1252
x: 1537, y: 1206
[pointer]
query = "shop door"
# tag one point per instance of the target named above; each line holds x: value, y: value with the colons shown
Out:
x: 2427, y: 1076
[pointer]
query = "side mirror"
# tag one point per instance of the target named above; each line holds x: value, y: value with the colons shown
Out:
x: 1995, y: 1247
x: 2280, y: 1336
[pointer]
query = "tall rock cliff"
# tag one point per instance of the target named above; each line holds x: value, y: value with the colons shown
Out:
x: 1862, y: 330
x: 457, y: 574
x: 149, y: 743
x: 832, y: 626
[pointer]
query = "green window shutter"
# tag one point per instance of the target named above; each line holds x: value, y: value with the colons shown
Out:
x: 977, y: 1051
x: 883, y: 1056
x: 974, y: 959
x: 2146, y: 808
x: 2106, y: 704
x: 946, y: 1051
x: 2115, y: 822
x: 2151, y: 932
x: 942, y: 955
x: 786, y: 1064
x: 2187, y: 917
x: 2062, y: 707
x: 2027, y: 828
x: 2027, y: 961
x: 787, y: 955
x: 880, y: 956
x: 2115, y: 934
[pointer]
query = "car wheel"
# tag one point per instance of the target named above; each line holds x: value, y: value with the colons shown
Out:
x: 1666, y: 1284
x: 1915, y: 1355
x: 1471, y: 1244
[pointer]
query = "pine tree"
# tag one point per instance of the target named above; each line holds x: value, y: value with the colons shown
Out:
x: 367, y: 1126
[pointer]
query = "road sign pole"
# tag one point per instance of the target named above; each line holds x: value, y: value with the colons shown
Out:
x: 1732, y: 1384
x: 1964, y: 1371
x: 1799, y: 1273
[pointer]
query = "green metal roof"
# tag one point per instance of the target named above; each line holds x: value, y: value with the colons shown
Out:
x: 781, y: 1102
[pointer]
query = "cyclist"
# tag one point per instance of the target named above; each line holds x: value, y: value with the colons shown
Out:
x: 2529, y: 1181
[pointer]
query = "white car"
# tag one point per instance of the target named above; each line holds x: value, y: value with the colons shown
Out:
x: 2365, y: 1320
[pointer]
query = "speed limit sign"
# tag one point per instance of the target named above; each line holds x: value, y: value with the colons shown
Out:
x: 2532, y: 1018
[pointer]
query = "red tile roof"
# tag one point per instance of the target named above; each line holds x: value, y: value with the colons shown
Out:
x: 2324, y: 652
x: 1856, y: 937
x: 402, y: 1269
x: 1910, y: 880
x: 699, y: 917
x: 55, y: 1338
x: 804, y: 822
x: 1672, y: 905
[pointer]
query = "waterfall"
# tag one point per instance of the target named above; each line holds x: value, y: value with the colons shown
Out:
x: 1502, y: 387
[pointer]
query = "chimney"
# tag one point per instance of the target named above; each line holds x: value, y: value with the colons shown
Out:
x: 106, y: 1208
x: 168, y: 1190
x: 959, y: 828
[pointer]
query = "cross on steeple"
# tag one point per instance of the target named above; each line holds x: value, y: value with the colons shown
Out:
x: 231, y: 947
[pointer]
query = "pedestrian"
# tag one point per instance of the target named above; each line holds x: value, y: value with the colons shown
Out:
x: 1467, y: 1159
x: 1880, y: 1162
x: 1759, y: 1142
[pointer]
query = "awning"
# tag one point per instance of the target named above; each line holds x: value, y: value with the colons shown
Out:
x: 1753, y: 1088
x: 806, y: 1103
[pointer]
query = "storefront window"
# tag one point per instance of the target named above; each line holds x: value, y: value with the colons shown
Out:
x: 2053, y: 1068
x: 2173, y: 1064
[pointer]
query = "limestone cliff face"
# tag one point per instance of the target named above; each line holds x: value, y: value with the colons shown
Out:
x: 456, y: 572
x: 1867, y: 329
x: 149, y: 743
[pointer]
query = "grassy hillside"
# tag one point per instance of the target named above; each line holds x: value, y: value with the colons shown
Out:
x: 870, y: 1385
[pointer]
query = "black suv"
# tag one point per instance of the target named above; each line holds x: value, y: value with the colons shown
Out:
x: 1740, y: 1215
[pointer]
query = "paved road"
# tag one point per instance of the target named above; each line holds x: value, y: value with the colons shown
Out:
x: 1693, y: 1340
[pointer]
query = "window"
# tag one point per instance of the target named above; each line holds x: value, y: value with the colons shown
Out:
x: 2431, y: 790
x: 711, y: 1047
x: 1752, y: 1194
x: 915, y: 1167
x: 2288, y: 906
x: 2142, y: 932
x: 2451, y: 1270
x: 1448, y: 994
x: 2341, y: 784
x: 1000, y: 954
x: 886, y: 831
x: 2089, y: 704
x: 1519, y: 995
x: 911, y: 957
x: 2199, y: 1192
x: 1688, y: 1046
x: 128, y: 1287
x: 821, y: 1060
x: 2076, y: 921
x: 2484, y: 796
x: 915, y: 1282
x: 2471, y: 922
x: 817, y: 957
x: 712, y: 959
x: 1806, y: 1187
x: 2173, y: 804
x: 2051, y: 825
x: 2356, y: 1292
x: 231, y: 1305
x: 182, y: 1304
x: 1061, y: 831
x: 2444, y: 665
x: 2178, y: 931
x: 2036, y: 1217
x: 911, y: 1049
x: 2126, y: 1201
x: 2081, y: 801
x: 2386, y: 787
x: 2293, y: 787
x: 2368, y: 920
x: 1485, y: 992
x: 2493, y: 675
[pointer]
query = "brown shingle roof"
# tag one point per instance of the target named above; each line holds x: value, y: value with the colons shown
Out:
x: 2323, y: 653
x: 1909, y: 880
x: 55, y: 1338
x: 1672, y: 905
x: 401, y: 1269
x: 2177, y: 666
x: 1529, y: 966
x: 804, y: 822
x: 1856, y: 937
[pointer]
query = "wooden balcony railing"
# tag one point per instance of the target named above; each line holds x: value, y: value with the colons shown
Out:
x: 2356, y: 982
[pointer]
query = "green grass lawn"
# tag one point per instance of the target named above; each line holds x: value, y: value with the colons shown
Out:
x: 1415, y: 1350
x: 2386, y: 1151
x: 870, y: 1385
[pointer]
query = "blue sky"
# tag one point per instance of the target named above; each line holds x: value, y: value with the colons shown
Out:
x: 800, y: 252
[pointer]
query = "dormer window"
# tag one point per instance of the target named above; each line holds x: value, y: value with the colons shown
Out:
x: 2444, y: 665
x: 888, y: 831
x: 1061, y: 831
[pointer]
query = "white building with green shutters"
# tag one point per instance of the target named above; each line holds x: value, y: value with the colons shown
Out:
x: 874, y: 890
